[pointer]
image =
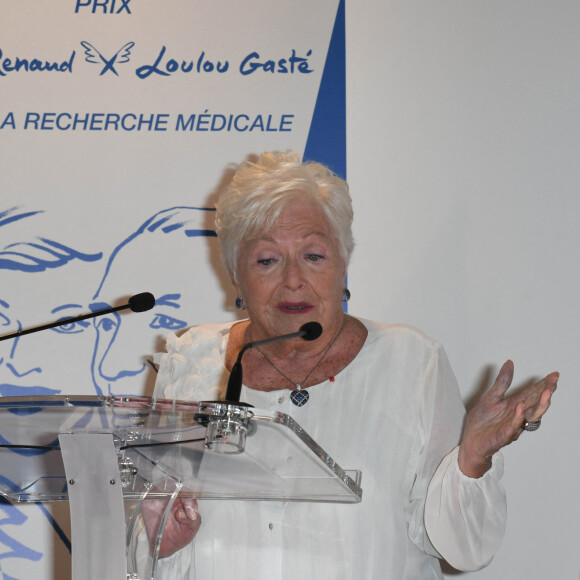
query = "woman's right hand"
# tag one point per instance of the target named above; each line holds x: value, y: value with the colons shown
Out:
x: 497, y: 419
x: 181, y: 526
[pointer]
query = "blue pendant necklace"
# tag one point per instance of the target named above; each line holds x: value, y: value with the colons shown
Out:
x: 299, y: 396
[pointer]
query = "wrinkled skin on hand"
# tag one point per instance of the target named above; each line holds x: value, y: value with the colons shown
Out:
x: 497, y: 419
x: 182, y: 524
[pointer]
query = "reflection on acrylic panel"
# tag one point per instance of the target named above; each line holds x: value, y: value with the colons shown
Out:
x: 10, y: 547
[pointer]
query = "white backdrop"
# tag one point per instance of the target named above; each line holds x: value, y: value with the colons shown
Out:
x: 462, y: 143
x: 462, y: 135
x: 119, y: 122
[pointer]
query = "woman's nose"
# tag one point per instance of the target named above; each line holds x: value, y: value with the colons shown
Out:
x: 293, y: 275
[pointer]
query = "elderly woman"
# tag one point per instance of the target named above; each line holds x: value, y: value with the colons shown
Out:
x: 378, y: 397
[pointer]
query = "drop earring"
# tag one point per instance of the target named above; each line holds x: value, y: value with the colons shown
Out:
x: 346, y: 294
x: 240, y: 304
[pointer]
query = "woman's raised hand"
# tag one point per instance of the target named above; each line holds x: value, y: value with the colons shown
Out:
x: 497, y: 420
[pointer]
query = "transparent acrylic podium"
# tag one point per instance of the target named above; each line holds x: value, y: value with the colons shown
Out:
x: 111, y: 457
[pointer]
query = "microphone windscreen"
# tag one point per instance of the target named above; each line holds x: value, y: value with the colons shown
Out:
x: 142, y: 302
x: 311, y: 330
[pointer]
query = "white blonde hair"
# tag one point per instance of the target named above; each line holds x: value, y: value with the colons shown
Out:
x: 259, y: 192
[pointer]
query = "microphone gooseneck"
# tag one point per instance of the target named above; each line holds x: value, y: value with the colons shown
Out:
x: 308, y: 331
x: 138, y: 303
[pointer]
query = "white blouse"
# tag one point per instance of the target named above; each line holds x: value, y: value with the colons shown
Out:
x: 395, y: 413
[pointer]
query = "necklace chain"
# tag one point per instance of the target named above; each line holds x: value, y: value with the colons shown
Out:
x: 303, y: 381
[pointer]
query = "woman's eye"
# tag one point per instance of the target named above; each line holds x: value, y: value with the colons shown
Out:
x: 314, y: 257
x: 266, y: 261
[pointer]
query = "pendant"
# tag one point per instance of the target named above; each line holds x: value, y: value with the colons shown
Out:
x: 299, y: 398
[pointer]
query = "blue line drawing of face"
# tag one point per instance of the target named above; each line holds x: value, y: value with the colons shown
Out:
x: 23, y: 376
x: 158, y: 257
x: 10, y: 547
x: 19, y: 527
x: 37, y: 364
x: 42, y: 363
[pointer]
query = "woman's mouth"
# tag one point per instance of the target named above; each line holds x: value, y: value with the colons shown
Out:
x: 295, y: 307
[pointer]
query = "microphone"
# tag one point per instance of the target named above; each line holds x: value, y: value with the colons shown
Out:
x: 308, y: 331
x: 138, y: 303
x: 141, y: 302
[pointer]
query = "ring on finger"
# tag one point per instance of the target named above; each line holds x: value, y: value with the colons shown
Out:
x: 531, y: 425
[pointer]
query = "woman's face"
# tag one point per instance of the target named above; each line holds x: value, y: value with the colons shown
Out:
x: 294, y: 274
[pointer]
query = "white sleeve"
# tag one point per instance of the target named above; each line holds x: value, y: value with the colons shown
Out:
x: 192, y: 369
x: 465, y: 517
x: 178, y: 566
x: 456, y: 517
